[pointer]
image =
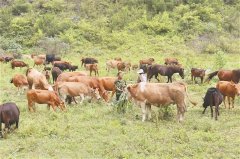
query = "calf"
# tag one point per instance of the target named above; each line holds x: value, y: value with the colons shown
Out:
x: 8, y: 59
x: 196, y: 72
x: 73, y: 68
x: 74, y: 89
x: 92, y: 68
x: 229, y: 90
x: 9, y: 115
x: 18, y: 64
x: 212, y: 98
x: 19, y: 81
x: 44, y: 97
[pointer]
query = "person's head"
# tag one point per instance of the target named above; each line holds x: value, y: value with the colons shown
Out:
x: 120, y: 75
x: 140, y: 71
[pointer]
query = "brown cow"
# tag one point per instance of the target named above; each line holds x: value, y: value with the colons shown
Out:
x: 196, y: 72
x: 38, y: 61
x: 124, y: 66
x: 171, y: 61
x: 92, y: 82
x: 19, y: 81
x: 18, y: 64
x: 149, y: 61
x: 111, y: 64
x: 63, y: 77
x: 226, y: 75
x: 44, y: 97
x: 159, y: 94
x: 37, y: 80
x: 92, y: 68
x: 230, y: 90
x: 55, y: 73
x: 74, y: 89
x: 108, y: 84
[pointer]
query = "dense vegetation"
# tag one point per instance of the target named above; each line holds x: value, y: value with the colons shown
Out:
x: 117, y: 26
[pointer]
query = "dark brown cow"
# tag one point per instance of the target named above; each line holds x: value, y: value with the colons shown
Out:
x: 55, y: 73
x: 229, y: 90
x: 212, y: 98
x: 18, y: 64
x: 88, y: 60
x: 44, y: 97
x: 196, y: 72
x: 149, y: 61
x: 9, y: 115
x: 124, y: 66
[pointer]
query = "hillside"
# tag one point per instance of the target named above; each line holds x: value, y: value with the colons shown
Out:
x: 114, y: 26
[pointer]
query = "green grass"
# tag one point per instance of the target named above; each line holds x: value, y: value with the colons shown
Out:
x: 96, y: 130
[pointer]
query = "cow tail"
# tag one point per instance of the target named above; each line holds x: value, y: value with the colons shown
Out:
x: 211, y: 75
x: 192, y: 102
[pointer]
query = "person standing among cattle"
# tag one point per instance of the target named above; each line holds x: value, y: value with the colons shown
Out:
x: 120, y: 84
x: 142, y: 76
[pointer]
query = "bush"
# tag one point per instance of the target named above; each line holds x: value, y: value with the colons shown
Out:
x: 220, y: 60
x: 20, y: 8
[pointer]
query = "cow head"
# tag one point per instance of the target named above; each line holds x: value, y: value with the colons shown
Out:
x: 237, y: 89
x: 95, y: 93
x: 181, y: 72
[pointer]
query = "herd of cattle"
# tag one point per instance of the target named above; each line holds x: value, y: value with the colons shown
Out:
x: 66, y: 85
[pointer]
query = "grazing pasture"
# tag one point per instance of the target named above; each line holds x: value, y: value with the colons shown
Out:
x: 97, y: 130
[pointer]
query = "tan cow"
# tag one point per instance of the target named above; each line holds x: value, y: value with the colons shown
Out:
x: 44, y: 97
x: 171, y: 61
x: 37, y: 80
x: 74, y: 89
x: 159, y: 94
x: 19, y: 81
x: 112, y: 64
x: 65, y: 75
x: 38, y: 61
x: 229, y: 90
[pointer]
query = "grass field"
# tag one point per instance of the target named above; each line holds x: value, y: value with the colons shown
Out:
x: 96, y: 130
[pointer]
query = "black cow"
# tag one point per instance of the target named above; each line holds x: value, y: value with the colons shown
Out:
x: 73, y: 68
x: 88, y: 60
x: 55, y: 73
x: 7, y: 59
x: 9, y: 115
x: 50, y: 58
x: 212, y: 98
x: 63, y: 66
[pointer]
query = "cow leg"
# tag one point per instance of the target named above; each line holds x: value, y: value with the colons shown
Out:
x: 233, y: 98
x: 156, y: 77
x: 144, y: 111
x: 30, y: 106
x: 48, y: 107
x: 82, y: 98
x: 1, y: 135
x: 192, y: 78
x: 216, y: 111
x: 224, y: 101
x: 204, y: 110
x: 229, y: 102
x: 149, y: 114
x: 201, y: 80
x: 211, y: 111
